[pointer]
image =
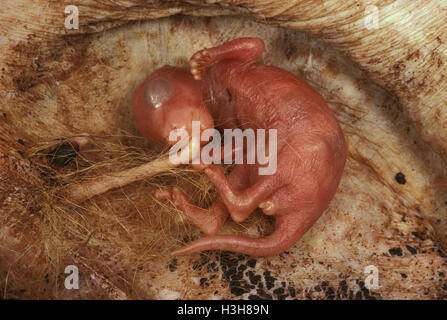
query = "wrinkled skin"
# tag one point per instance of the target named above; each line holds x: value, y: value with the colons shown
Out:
x: 311, y: 149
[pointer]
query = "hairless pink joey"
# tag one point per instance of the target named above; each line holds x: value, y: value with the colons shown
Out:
x: 228, y: 88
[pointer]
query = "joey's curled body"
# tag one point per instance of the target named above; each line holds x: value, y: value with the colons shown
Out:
x: 311, y: 150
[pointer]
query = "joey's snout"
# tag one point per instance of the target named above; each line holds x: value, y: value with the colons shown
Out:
x: 193, y: 121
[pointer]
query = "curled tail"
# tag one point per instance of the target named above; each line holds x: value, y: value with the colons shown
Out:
x: 287, y: 232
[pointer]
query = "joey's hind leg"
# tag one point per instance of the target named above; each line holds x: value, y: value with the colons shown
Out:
x: 244, y: 49
x: 208, y: 220
x: 300, y: 163
x: 242, y: 202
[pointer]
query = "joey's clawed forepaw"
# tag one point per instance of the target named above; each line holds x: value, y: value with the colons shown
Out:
x: 198, y: 63
x: 174, y: 195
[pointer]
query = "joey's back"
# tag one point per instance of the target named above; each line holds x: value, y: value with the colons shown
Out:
x: 258, y: 96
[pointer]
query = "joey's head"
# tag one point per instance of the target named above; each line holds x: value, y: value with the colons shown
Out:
x: 169, y: 99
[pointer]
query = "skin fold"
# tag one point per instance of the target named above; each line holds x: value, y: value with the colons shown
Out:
x: 240, y: 93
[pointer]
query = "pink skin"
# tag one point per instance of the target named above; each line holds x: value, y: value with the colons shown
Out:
x: 169, y: 99
x: 311, y: 150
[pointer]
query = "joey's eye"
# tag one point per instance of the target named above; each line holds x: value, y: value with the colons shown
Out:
x: 157, y: 92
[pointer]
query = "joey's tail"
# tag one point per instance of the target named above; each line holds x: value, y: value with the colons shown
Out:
x: 288, y: 230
